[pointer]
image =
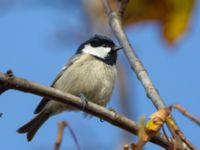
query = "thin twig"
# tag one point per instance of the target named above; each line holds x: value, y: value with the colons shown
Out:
x: 61, y: 127
x: 177, y: 130
x: 182, y: 137
x: 122, y: 6
x: 126, y: 147
x: 142, y: 138
x: 136, y: 64
x: 186, y: 113
x: 165, y: 134
x: 69, y: 99
x: 74, y: 137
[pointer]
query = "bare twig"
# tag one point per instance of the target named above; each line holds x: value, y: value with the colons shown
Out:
x: 66, y: 98
x: 186, y: 113
x: 136, y: 64
x: 115, y: 23
x: 126, y: 147
x: 175, y: 127
x: 3, y: 87
x: 122, y: 6
x: 74, y: 137
x: 180, y: 136
x: 142, y: 138
x: 165, y: 134
x: 61, y: 127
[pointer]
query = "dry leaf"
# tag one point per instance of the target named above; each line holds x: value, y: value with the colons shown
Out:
x: 156, y: 121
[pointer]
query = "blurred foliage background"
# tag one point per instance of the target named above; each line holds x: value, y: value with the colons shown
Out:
x: 37, y: 36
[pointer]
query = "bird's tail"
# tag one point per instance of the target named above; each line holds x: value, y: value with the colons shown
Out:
x: 32, y: 126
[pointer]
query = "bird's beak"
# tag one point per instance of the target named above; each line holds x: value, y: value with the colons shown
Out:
x: 117, y: 48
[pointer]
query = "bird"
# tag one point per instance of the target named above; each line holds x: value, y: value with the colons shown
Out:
x: 90, y: 73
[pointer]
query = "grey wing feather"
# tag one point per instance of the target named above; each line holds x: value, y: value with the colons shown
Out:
x: 44, y: 101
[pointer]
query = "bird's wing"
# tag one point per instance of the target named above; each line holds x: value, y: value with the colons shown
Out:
x: 44, y: 100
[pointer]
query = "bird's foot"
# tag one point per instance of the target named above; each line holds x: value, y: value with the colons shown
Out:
x: 113, y: 110
x: 84, y: 101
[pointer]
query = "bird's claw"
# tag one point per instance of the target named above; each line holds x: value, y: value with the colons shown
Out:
x: 114, y: 111
x: 83, y: 100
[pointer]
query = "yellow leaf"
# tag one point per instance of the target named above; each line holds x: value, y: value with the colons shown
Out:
x: 156, y: 121
x: 173, y: 15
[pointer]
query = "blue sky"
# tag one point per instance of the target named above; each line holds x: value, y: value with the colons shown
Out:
x: 29, y: 48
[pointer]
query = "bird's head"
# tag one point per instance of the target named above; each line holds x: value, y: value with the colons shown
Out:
x: 101, y: 47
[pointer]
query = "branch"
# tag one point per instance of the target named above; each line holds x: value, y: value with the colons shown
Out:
x: 11, y: 82
x: 137, y: 66
x: 122, y: 6
x: 186, y: 113
x: 61, y: 126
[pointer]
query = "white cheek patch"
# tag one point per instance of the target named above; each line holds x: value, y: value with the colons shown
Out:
x: 100, y: 52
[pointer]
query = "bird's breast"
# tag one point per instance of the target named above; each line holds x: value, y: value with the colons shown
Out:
x: 90, y: 77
